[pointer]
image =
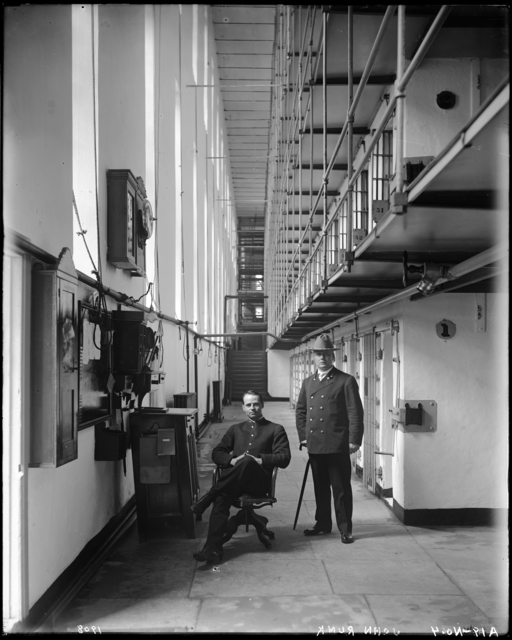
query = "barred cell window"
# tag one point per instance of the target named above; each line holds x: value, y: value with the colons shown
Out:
x: 360, y: 202
x: 382, y: 166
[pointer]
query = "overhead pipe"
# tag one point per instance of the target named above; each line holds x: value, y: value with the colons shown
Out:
x: 483, y: 259
x: 246, y: 333
x: 240, y: 296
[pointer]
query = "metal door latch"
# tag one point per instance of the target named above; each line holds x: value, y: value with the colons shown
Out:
x: 415, y: 416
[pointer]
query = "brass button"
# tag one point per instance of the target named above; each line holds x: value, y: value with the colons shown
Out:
x: 321, y: 407
x: 321, y: 431
x: 321, y: 419
x: 312, y: 397
x: 311, y: 408
x: 311, y: 419
x: 322, y: 396
x: 311, y: 431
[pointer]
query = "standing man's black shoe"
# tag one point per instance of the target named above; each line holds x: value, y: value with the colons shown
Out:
x: 208, y: 554
x: 347, y: 538
x: 316, y: 530
x: 201, y: 505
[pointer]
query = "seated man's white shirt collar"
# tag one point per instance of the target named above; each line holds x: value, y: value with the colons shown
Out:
x: 322, y: 374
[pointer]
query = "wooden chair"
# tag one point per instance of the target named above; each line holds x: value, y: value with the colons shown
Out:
x: 247, y: 505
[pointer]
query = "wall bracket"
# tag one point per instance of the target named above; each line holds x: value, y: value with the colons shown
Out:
x: 415, y: 416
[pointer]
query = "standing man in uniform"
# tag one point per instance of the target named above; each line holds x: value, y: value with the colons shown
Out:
x: 329, y: 419
x: 248, y: 453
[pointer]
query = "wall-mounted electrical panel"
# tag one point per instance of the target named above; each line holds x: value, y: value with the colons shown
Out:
x: 54, y: 364
x: 130, y: 221
x: 134, y: 347
x: 131, y: 340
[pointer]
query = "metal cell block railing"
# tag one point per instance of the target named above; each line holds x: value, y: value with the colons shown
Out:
x: 300, y: 259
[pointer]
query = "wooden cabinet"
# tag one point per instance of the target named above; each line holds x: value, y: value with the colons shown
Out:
x: 54, y: 364
x: 164, y: 468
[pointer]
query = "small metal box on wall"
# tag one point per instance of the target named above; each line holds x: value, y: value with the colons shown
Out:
x: 54, y: 364
x: 130, y: 221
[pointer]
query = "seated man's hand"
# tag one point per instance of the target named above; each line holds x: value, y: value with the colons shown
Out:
x: 233, y: 461
x: 258, y: 460
x: 353, y: 448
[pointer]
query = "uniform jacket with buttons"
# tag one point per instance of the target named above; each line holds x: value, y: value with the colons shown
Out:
x: 262, y: 439
x: 329, y: 412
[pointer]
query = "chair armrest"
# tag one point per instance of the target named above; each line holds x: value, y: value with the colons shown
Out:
x: 274, y: 478
x: 216, y: 474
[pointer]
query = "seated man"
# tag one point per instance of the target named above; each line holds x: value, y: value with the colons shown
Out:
x: 249, y: 451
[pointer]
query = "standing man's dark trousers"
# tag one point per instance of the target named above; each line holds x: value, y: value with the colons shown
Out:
x: 247, y: 476
x: 332, y: 470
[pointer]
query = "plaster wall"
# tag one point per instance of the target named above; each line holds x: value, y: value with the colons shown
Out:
x: 44, y: 91
x: 37, y: 124
x: 464, y: 463
x: 492, y: 73
x: 278, y: 367
x: 121, y: 116
x: 428, y: 129
x: 68, y: 506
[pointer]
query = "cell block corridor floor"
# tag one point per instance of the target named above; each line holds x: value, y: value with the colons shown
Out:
x: 394, y: 577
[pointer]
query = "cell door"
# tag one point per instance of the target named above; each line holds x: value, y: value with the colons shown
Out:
x: 370, y: 405
x: 354, y: 368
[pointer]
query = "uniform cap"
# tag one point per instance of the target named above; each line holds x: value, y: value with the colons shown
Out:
x: 323, y: 343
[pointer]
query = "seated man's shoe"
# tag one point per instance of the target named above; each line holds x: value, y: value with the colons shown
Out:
x: 347, y: 538
x: 201, y: 505
x: 208, y: 554
x: 317, y: 530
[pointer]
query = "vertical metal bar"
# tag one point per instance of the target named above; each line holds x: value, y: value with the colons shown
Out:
x: 325, y: 181
x: 311, y: 126
x: 350, y: 121
x: 301, y: 129
x: 400, y: 106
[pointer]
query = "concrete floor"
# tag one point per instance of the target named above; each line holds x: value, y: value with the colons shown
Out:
x: 394, y: 577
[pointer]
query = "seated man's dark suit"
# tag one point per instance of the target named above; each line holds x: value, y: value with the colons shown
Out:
x: 329, y: 416
x: 262, y: 439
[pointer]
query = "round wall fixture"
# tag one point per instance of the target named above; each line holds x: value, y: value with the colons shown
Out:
x: 446, y: 100
x: 446, y: 329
